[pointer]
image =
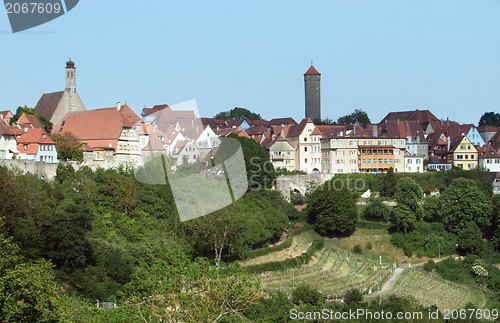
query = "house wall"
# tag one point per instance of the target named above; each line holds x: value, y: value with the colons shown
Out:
x: 465, y: 155
x: 491, y: 164
x: 282, y: 155
x: 6, y: 143
x: 414, y: 164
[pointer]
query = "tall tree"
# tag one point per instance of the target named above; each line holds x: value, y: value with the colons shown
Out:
x: 238, y: 113
x: 68, y: 147
x: 409, y: 210
x: 358, y: 115
x: 333, y: 208
x: 489, y: 119
x: 463, y: 202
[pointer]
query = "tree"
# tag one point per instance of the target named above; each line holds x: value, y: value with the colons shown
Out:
x: 377, y: 210
x: 463, y: 202
x: 409, y: 210
x: 357, y: 116
x: 68, y: 147
x: 306, y: 294
x: 470, y: 239
x: 28, y: 292
x: 332, y: 209
x: 489, y: 119
x: 67, y: 243
x: 260, y: 170
x: 389, y: 183
x: 238, y: 113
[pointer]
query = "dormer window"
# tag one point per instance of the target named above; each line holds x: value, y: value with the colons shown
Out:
x: 25, y: 147
x: 44, y: 136
x: 25, y: 130
x: 309, y: 130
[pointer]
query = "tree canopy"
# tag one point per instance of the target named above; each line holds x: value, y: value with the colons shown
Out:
x: 238, y: 113
x: 409, y: 210
x: 68, y: 147
x: 20, y: 110
x: 489, y: 119
x: 333, y: 208
x: 358, y: 115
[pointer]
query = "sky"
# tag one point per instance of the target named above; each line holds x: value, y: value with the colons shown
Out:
x: 378, y: 56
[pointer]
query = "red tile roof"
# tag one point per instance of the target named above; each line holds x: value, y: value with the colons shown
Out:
x: 6, y: 130
x: 156, y: 108
x: 282, y: 122
x: 312, y: 71
x: 32, y: 138
x: 296, y: 130
x: 487, y: 151
x: 28, y: 120
x: 422, y: 116
x: 98, y: 128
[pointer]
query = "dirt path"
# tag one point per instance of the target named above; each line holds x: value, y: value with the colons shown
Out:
x: 388, y: 284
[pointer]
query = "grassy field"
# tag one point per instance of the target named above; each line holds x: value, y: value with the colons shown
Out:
x: 431, y: 289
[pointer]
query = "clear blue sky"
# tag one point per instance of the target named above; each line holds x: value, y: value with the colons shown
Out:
x: 379, y: 56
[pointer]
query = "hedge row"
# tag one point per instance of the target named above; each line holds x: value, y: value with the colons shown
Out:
x: 286, y: 244
x: 290, y: 263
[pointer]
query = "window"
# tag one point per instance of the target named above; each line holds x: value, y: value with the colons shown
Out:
x: 97, y: 155
x: 353, y: 152
x: 305, y: 139
x: 409, y: 168
x: 288, y: 153
x: 25, y: 147
x: 2, y: 153
x: 417, y: 161
x: 471, y: 156
x: 382, y: 142
x: 309, y: 130
x: 305, y: 160
x: 194, y: 156
x: 44, y: 136
x: 460, y: 156
x: 305, y: 149
x: 409, y: 161
x: 462, y: 147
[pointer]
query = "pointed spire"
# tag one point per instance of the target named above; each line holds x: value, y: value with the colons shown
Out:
x: 312, y: 71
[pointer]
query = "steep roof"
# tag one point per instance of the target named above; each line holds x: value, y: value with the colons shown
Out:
x: 404, y: 129
x: 94, y: 124
x: 312, y: 71
x: 487, y: 151
x: 5, y: 130
x: 156, y: 108
x: 296, y: 130
x: 28, y: 120
x: 48, y: 103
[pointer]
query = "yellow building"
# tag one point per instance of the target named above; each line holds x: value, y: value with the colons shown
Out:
x: 462, y: 153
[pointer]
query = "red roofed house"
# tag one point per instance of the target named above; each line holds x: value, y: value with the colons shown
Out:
x: 281, y: 153
x: 305, y: 139
x: 489, y: 158
x: 35, y: 144
x: 54, y: 106
x: 102, y: 129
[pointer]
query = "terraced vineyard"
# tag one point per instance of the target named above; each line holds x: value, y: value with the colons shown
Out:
x: 431, y: 290
x: 332, y: 271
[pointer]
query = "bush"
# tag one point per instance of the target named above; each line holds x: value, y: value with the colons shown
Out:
x: 353, y: 296
x: 297, y: 198
x: 377, y: 210
x: 429, y: 266
x: 369, y: 245
x: 357, y: 249
x: 306, y: 294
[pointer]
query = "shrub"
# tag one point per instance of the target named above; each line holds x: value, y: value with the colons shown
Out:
x: 306, y: 294
x: 429, y: 266
x: 377, y: 210
x: 353, y: 296
x: 369, y: 245
x: 357, y: 249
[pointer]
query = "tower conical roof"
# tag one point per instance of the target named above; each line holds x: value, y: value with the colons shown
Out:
x: 312, y: 71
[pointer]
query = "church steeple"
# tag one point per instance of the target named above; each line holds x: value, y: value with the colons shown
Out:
x: 71, y: 82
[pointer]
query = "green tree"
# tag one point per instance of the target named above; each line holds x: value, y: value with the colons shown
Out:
x: 389, y: 183
x: 463, y: 202
x: 489, y: 119
x: 67, y: 243
x: 377, y: 210
x: 28, y: 292
x: 306, y: 294
x: 470, y: 238
x: 332, y: 209
x: 357, y: 115
x: 68, y: 147
x: 260, y: 170
x: 409, y: 211
x: 238, y: 113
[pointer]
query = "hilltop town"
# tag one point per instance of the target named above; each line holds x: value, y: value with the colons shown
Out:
x: 407, y: 141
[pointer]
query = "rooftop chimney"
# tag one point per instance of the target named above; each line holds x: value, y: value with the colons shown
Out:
x: 118, y: 106
x: 448, y: 143
x: 375, y: 132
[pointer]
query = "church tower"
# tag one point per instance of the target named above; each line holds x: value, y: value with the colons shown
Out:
x: 71, y: 82
x: 312, y: 80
